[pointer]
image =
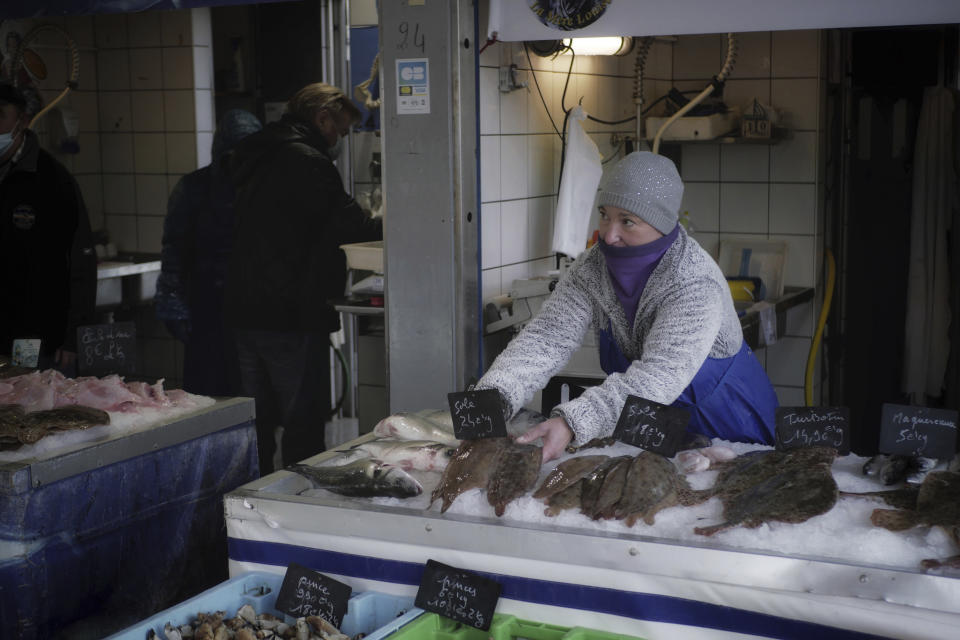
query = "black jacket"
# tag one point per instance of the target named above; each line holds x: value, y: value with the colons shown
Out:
x: 292, y: 214
x: 48, y: 270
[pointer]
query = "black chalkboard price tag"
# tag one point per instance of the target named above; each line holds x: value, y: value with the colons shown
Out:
x: 798, y: 427
x: 103, y: 349
x: 305, y: 592
x: 918, y: 431
x: 652, y: 426
x: 458, y: 594
x: 477, y: 414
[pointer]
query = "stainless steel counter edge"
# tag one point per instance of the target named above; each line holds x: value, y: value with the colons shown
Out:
x: 128, y: 269
x: 20, y: 476
x: 618, y: 552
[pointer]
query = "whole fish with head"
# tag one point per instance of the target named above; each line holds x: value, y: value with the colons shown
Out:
x: 411, y: 426
x: 794, y: 495
x: 611, y: 491
x: 470, y: 468
x: 653, y: 484
x: 409, y: 455
x: 516, y: 472
x: 895, y: 469
x: 593, y: 484
x: 364, y: 478
x: 568, y: 472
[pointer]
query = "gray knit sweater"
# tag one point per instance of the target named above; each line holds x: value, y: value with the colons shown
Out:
x: 685, y: 314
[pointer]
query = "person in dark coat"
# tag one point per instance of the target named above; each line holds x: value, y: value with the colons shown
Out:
x: 292, y: 215
x: 197, y: 239
x: 48, y: 268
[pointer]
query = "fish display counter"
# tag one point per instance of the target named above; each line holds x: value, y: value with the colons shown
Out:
x: 696, y: 551
x: 103, y: 524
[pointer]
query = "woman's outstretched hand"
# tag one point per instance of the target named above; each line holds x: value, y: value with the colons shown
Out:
x: 556, y: 434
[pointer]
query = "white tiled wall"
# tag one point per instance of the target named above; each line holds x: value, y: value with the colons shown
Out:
x: 760, y: 191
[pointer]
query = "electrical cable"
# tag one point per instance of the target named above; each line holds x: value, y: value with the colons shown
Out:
x: 537, y: 83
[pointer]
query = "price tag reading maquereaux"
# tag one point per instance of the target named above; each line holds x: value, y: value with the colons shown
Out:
x: 918, y: 431
x: 652, y: 426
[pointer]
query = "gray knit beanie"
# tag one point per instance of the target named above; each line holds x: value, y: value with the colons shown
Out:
x: 647, y: 185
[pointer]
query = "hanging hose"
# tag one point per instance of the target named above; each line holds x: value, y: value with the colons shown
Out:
x: 717, y: 82
x: 74, y: 64
x: 815, y: 344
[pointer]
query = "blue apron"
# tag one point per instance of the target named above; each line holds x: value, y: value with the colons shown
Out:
x: 729, y: 398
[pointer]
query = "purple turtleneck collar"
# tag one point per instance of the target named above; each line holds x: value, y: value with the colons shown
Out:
x: 630, y: 268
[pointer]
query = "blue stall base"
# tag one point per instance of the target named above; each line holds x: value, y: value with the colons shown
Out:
x: 366, y: 612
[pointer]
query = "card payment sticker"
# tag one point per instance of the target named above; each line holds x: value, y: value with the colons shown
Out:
x: 413, y: 86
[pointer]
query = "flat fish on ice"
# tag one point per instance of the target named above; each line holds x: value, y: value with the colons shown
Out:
x: 363, y: 478
x: 567, y: 473
x: 593, y: 484
x: 516, y: 472
x: 611, y: 490
x: 412, y: 426
x: 409, y: 455
x: 470, y: 468
x: 653, y: 484
x: 67, y: 417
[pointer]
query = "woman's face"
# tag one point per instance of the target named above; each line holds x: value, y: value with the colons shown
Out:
x: 620, y: 228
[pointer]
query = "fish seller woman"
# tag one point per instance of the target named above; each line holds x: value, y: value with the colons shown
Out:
x: 666, y: 327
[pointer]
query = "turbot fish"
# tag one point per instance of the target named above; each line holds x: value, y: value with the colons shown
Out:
x: 409, y: 455
x: 412, y: 426
x: 470, y: 468
x: 515, y: 474
x: 364, y: 478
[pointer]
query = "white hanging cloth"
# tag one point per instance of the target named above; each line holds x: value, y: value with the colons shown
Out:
x: 927, y: 343
x: 582, y: 171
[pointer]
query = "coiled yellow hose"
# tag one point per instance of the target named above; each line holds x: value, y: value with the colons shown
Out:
x: 818, y: 334
x: 71, y: 82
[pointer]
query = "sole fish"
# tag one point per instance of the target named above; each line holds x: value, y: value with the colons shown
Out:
x: 409, y: 455
x: 67, y: 417
x: 593, y: 484
x: 567, y: 473
x: 363, y: 478
x: 569, y: 498
x: 470, y: 468
x: 411, y: 426
x: 516, y: 473
x: 653, y: 484
x: 610, y: 491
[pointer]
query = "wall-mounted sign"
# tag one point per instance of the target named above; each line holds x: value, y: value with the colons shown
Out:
x: 413, y: 86
x: 568, y: 15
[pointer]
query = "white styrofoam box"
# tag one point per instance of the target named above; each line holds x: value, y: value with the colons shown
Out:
x: 115, y: 111
x: 514, y: 231
x: 151, y: 194
x: 178, y: 68
x: 489, y: 101
x: 144, y: 27
x: 744, y: 162
x: 113, y: 69
x: 692, y: 127
x: 795, y: 54
x: 146, y: 68
x: 743, y: 207
x: 88, y: 159
x: 181, y: 152
x: 702, y: 201
x: 110, y: 30
x: 794, y: 159
x: 489, y: 168
x: 793, y: 208
x: 798, y: 100
x: 700, y: 162
x: 175, y: 28
x: 513, y: 167
x: 119, y: 194
x: 179, y: 110
x: 490, y: 235
x: 147, y: 107
x: 366, y: 256
x: 149, y: 153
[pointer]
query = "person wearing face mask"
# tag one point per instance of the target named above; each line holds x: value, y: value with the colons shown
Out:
x: 664, y: 319
x: 292, y: 214
x: 48, y: 269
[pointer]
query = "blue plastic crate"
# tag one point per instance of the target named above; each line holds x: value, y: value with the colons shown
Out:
x: 366, y: 611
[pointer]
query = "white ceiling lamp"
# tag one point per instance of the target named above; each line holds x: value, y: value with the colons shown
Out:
x: 604, y: 46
